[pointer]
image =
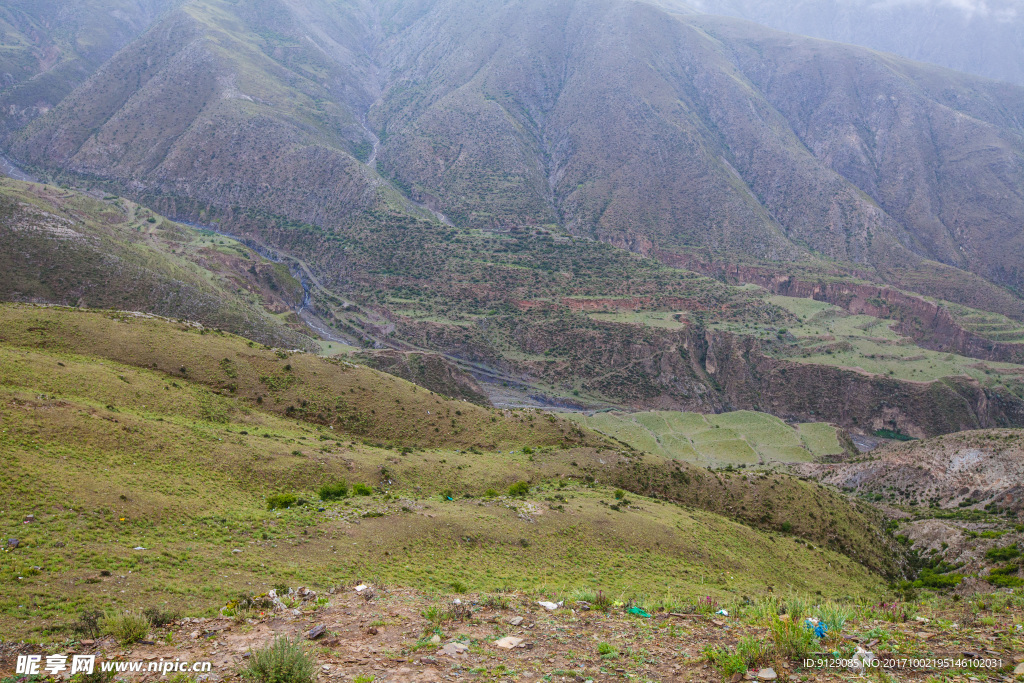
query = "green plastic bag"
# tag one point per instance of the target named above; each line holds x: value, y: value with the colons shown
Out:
x: 639, y: 612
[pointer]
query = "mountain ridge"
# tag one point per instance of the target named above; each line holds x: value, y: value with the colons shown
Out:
x: 710, y: 147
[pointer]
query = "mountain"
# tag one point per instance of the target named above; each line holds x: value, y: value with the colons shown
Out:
x: 982, y: 37
x: 474, y: 201
x: 51, y: 46
x: 644, y: 126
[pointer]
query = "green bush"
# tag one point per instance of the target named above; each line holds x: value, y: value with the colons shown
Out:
x: 791, y: 639
x: 607, y: 651
x: 88, y: 624
x: 796, y: 608
x: 727, y: 663
x: 361, y: 490
x: 283, y: 661
x: 891, y: 434
x: 1003, y: 554
x: 754, y: 652
x: 929, y: 578
x: 491, y: 493
x: 127, y: 627
x: 281, y: 501
x: 619, y: 494
x: 835, y: 617
x: 334, y: 491
x: 520, y: 488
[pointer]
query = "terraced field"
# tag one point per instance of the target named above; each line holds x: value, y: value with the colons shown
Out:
x: 828, y: 335
x: 741, y: 437
x: 988, y: 325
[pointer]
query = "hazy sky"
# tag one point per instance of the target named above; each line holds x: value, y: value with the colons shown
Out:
x: 997, y: 8
x: 1002, y: 9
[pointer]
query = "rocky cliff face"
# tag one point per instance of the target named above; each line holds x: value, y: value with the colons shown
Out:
x: 701, y: 370
x: 747, y: 378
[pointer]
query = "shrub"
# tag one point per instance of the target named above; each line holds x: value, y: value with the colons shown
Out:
x: 727, y: 663
x: 88, y: 624
x: 281, y: 501
x: 520, y: 488
x: 334, y: 491
x: 1003, y: 554
x: 127, y: 627
x: 835, y: 617
x: 929, y: 578
x: 160, y: 617
x: 619, y: 494
x: 607, y: 651
x: 765, y: 609
x: 361, y: 490
x: 753, y: 652
x: 796, y: 608
x: 491, y: 493
x: 527, y: 450
x: 283, y: 661
x: 495, y: 601
x: 792, y: 640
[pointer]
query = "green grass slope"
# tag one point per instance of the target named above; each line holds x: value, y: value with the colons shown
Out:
x: 147, y: 488
x: 329, y: 392
x: 741, y: 437
x: 63, y: 247
x: 357, y: 403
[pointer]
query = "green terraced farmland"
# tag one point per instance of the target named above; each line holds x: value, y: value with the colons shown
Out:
x: 828, y: 335
x: 741, y: 437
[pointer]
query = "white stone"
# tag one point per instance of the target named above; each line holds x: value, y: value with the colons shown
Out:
x: 508, y: 642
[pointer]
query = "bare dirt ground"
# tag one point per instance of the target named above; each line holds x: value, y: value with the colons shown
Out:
x: 391, y: 637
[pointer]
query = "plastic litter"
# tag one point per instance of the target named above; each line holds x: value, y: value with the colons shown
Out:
x: 639, y: 612
x: 722, y: 612
x: 550, y: 606
x: 820, y: 628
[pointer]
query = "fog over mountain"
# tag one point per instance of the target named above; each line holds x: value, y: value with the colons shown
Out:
x: 644, y: 125
x: 983, y: 37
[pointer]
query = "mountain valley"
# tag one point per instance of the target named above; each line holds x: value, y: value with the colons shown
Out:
x: 616, y: 304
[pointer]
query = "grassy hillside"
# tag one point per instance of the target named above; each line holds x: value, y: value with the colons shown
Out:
x: 63, y: 247
x: 741, y: 437
x: 327, y: 392
x: 125, y: 466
